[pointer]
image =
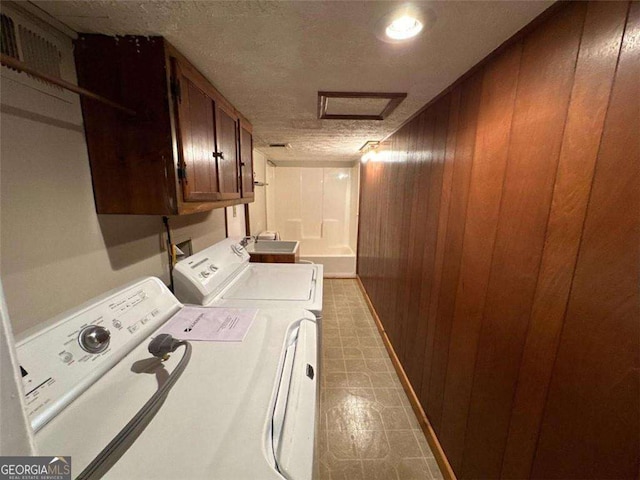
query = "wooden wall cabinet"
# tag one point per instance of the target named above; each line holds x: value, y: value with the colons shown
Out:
x: 274, y: 257
x: 184, y: 149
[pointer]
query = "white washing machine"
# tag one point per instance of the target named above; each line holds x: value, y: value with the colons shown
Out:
x: 239, y: 410
x: 222, y: 275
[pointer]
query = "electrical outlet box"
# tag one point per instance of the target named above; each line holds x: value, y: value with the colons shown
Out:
x: 184, y: 249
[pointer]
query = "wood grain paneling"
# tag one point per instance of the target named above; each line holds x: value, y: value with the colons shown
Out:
x: 499, y: 245
x: 425, y: 259
x: 448, y: 426
x: 410, y: 292
x: 594, y: 390
x: 485, y: 192
x: 436, y: 351
x: 544, y: 89
x: 589, y: 101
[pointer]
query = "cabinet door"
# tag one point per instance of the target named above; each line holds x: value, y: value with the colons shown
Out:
x: 246, y: 162
x: 199, y: 174
x: 227, y: 154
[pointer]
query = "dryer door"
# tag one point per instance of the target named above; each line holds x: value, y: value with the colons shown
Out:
x: 294, y: 419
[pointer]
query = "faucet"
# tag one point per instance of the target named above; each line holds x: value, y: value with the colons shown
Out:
x: 245, y: 241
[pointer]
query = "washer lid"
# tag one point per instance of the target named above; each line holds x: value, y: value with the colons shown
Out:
x: 216, y: 422
x: 273, y: 282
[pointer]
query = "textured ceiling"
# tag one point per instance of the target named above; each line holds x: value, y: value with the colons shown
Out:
x: 270, y: 58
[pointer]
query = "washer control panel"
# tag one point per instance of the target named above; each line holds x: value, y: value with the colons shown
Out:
x: 204, y: 269
x: 77, y: 348
x: 94, y: 339
x: 201, y: 275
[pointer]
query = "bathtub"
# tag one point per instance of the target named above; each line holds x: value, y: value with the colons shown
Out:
x: 338, y: 262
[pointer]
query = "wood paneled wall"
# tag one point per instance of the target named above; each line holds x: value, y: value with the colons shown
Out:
x: 499, y: 243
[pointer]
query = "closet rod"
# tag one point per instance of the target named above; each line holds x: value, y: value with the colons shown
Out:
x: 20, y: 66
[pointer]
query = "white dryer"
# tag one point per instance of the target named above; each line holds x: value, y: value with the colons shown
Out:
x: 239, y: 410
x: 222, y: 275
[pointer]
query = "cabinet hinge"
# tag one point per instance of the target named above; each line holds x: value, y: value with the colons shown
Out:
x: 175, y: 89
x: 182, y: 173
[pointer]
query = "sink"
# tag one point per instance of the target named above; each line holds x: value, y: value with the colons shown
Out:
x: 274, y: 247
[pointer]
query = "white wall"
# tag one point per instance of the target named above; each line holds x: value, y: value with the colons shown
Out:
x: 270, y: 192
x: 355, y: 207
x: 55, y: 251
x: 236, y: 226
x: 315, y: 205
x: 258, y: 209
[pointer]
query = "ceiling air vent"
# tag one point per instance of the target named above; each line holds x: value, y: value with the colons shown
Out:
x: 280, y: 145
x: 357, y: 105
x: 32, y: 49
x: 9, y: 44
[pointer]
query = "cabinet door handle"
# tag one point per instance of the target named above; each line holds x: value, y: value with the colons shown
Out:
x: 219, y: 155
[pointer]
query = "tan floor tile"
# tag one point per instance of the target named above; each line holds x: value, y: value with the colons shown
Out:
x: 365, y: 332
x: 413, y: 469
x: 388, y: 397
x: 372, y: 444
x: 382, y: 379
x: 404, y: 444
x: 331, y: 337
x: 413, y: 420
x: 349, y: 341
x: 351, y: 418
x: 379, y: 470
x: 347, y: 330
x: 359, y: 379
x: 344, y: 318
x: 377, y: 364
x: 355, y: 365
x: 364, y: 393
x: 331, y: 365
x: 434, y: 468
x: 345, y: 469
x: 395, y: 418
x: 352, y: 352
x: 365, y: 324
x: 370, y: 433
x: 422, y: 442
x: 336, y: 380
x: 321, y: 445
x: 323, y: 470
x: 333, y: 352
x: 339, y: 396
x: 334, y: 396
x: 371, y: 352
x: 390, y: 368
x: 370, y: 341
x: 341, y: 446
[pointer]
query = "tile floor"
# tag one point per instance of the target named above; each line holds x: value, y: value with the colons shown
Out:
x: 367, y: 428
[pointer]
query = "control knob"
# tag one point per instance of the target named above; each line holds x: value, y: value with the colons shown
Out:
x: 94, y: 339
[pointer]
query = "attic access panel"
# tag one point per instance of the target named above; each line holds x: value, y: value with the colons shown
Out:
x: 357, y: 105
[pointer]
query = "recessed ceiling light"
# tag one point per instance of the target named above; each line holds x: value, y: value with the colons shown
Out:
x: 403, y: 28
x: 404, y: 22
